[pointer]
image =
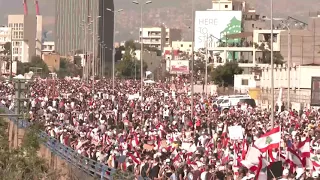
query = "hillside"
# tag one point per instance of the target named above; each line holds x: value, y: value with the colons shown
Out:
x: 172, y: 13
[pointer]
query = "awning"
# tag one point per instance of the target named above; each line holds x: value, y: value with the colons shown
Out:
x: 240, y: 35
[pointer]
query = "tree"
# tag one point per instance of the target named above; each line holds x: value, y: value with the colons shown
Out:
x: 129, y: 64
x: 224, y: 75
x: 36, y: 62
x: 126, y: 68
x: 266, y: 54
x: 68, y: 68
x: 6, y: 49
x: 23, y: 162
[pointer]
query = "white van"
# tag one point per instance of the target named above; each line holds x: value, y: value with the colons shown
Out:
x: 220, y: 99
x: 230, y: 102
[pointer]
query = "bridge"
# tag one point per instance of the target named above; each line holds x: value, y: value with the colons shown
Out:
x: 90, y: 167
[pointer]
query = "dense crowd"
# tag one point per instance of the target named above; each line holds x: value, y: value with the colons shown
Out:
x: 156, y: 137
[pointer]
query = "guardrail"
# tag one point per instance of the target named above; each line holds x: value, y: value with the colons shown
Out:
x: 89, y: 166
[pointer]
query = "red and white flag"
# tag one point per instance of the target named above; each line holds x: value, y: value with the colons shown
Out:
x: 252, y: 159
x: 293, y: 158
x: 262, y: 169
x: 304, y: 148
x: 269, y: 140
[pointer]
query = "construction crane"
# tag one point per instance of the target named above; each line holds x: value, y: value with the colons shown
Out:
x: 25, y: 7
x: 37, y: 7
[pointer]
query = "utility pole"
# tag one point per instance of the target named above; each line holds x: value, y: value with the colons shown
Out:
x: 289, y: 65
x: 11, y: 54
x: 272, y: 69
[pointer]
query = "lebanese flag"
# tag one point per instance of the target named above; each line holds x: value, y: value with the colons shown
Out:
x: 293, y: 158
x: 244, y: 149
x: 315, y: 161
x: 262, y: 169
x: 304, y: 148
x: 252, y: 159
x: 269, y: 140
x: 134, y: 159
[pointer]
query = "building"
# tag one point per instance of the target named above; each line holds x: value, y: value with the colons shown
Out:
x: 52, y: 60
x: 24, y: 37
x: 48, y: 47
x: 159, y: 37
x: 304, y: 43
x: 5, y: 37
x: 74, y: 19
x: 300, y: 85
x: 39, y: 36
x: 227, y: 5
x: 184, y: 46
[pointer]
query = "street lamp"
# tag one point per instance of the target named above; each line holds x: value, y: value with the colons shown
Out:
x: 141, y: 42
x: 114, y: 47
x: 272, y: 67
x: 93, y: 48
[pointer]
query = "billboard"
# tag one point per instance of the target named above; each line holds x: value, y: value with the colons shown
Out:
x: 178, y: 66
x: 315, y: 91
x: 216, y: 25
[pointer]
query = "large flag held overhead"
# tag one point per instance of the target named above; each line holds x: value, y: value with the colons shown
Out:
x: 304, y: 148
x: 269, y: 140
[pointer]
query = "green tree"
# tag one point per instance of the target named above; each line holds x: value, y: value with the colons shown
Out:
x: 6, y: 49
x: 23, y: 162
x: 224, y: 75
x: 129, y: 64
x: 68, y: 68
x: 36, y: 62
x: 266, y: 54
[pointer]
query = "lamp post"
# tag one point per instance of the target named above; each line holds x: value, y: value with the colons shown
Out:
x: 272, y: 67
x: 93, y: 48
x: 114, y: 47
x: 141, y: 41
x: 192, y: 61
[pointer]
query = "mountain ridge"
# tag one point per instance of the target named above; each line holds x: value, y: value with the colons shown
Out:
x: 172, y: 13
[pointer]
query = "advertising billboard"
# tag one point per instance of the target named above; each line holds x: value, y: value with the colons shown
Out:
x: 315, y: 91
x: 212, y: 26
x: 178, y: 66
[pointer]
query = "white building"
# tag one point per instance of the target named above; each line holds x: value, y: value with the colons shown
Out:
x: 5, y: 37
x: 221, y: 53
x: 159, y: 37
x: 25, y: 39
x: 222, y: 5
x: 48, y: 47
x: 300, y: 85
x: 184, y: 46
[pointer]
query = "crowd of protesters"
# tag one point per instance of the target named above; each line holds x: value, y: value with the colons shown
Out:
x: 156, y: 137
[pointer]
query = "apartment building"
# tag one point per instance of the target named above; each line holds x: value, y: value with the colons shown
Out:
x: 48, y: 47
x: 5, y: 36
x: 159, y: 37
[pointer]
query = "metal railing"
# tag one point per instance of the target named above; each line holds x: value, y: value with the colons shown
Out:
x: 89, y: 166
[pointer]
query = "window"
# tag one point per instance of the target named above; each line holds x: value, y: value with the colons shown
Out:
x: 181, y: 45
x: 20, y: 34
x: 190, y: 45
x: 245, y: 82
x: 20, y: 26
x: 226, y: 6
x: 15, y: 35
x: 252, y: 25
x: 15, y: 50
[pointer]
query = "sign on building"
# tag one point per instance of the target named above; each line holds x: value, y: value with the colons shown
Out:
x: 178, y: 66
x: 216, y: 25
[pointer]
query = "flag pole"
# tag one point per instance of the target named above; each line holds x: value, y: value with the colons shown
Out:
x: 280, y: 146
